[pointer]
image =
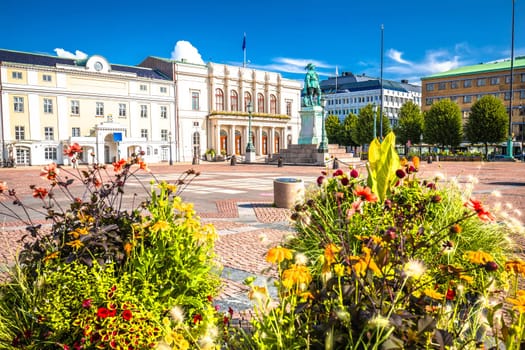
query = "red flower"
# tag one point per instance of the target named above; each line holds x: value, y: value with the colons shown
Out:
x: 210, y: 299
x: 345, y: 181
x: 86, y: 304
x: 39, y: 192
x: 338, y: 172
x: 451, y: 294
x: 3, y: 186
x: 112, y: 313
x: 117, y: 166
x: 365, y: 193
x: 400, y: 173
x: 102, y: 312
x: 197, y: 318
x: 144, y: 166
x: 49, y: 172
x: 72, y: 150
x: 483, y: 214
x: 230, y: 311
x: 354, y: 173
x: 127, y: 315
x: 320, y: 180
x: 491, y: 266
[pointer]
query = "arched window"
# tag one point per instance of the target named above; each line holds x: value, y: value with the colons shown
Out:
x: 234, y: 101
x: 219, y: 100
x: 247, y: 99
x: 260, y: 103
x: 273, y: 104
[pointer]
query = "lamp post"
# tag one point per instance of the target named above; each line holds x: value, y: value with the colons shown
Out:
x: 250, y: 149
x: 323, y: 146
x: 510, y: 141
x: 522, y: 128
x: 169, y: 138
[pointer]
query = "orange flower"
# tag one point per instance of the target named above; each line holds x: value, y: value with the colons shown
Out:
x: 479, y: 257
x: 143, y: 166
x: 49, y: 172
x: 483, y: 214
x: 415, y: 161
x: 365, y: 193
x: 72, y: 150
x: 519, y: 301
x: 3, y: 186
x: 364, y: 262
x: 330, y: 252
x: 39, y: 192
x: 127, y: 248
x: 117, y: 166
x: 515, y: 266
x: 97, y: 182
x: 277, y: 255
x: 296, y: 275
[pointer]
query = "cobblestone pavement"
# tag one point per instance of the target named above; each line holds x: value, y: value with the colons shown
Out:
x: 238, y: 200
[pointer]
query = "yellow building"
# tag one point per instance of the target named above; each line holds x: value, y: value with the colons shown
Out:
x: 111, y: 110
x: 466, y: 85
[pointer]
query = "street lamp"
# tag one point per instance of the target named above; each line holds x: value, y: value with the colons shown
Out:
x: 510, y: 141
x: 171, y: 158
x: 250, y: 149
x: 323, y: 147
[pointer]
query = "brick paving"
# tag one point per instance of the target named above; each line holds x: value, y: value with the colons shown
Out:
x: 244, y: 239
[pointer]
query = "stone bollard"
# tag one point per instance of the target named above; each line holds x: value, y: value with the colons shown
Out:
x: 280, y: 162
x: 429, y: 160
x: 233, y: 160
x: 336, y: 164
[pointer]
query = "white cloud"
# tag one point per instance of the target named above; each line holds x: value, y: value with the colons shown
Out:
x: 295, y: 66
x: 185, y: 50
x: 66, y: 54
x: 396, y: 56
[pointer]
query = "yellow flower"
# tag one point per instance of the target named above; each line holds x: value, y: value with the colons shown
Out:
x: 50, y: 256
x: 330, y: 252
x: 415, y: 161
x: 160, y: 226
x: 277, y: 255
x: 515, y: 266
x: 296, y: 275
x: 258, y: 293
x: 79, y: 231
x: 339, y: 270
x: 479, y: 257
x: 177, y: 339
x: 519, y: 301
x: 84, y: 218
x: 127, y: 248
x: 75, y: 244
x: 364, y: 262
x: 431, y: 293
x: 466, y: 278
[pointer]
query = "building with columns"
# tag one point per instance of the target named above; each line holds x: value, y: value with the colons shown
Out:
x: 212, y: 108
x: 112, y: 111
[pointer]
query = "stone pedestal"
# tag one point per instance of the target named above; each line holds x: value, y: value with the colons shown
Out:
x: 287, y: 192
x: 249, y: 157
x: 311, y: 125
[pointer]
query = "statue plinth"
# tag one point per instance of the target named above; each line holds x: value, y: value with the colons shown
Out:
x: 311, y: 132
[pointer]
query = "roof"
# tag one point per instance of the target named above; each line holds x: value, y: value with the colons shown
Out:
x: 519, y: 62
x: 53, y: 61
x: 353, y: 83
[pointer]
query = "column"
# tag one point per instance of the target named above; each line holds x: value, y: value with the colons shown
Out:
x: 231, y: 140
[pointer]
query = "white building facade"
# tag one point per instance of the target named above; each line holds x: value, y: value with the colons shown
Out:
x: 112, y: 111
x: 348, y: 93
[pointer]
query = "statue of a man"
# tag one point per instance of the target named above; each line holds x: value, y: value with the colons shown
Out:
x: 312, y: 89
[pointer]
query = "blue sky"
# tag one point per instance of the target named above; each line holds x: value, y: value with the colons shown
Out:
x: 420, y: 37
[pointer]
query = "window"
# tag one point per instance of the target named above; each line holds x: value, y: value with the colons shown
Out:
x: 164, y: 135
x: 144, y: 133
x: 247, y: 99
x: 195, y: 100
x: 47, y: 78
x: 219, y: 100
x: 467, y: 83
x: 273, y: 104
x: 75, y: 107
x: 494, y: 81
x: 18, y: 104
x: 163, y: 112
x: 522, y: 94
x: 260, y: 103
x: 522, y: 77
x: 143, y: 111
x: 467, y: 99
x: 100, y: 109
x: 428, y: 101
x: 48, y: 105
x: 507, y: 79
x: 507, y: 96
x: 20, y: 133
x: 442, y: 86
x: 482, y: 82
x: 49, y: 133
x: 453, y: 84
x: 163, y: 90
x: 143, y: 87
x: 122, y: 110
x: 430, y: 87
x: 17, y: 75
x: 50, y: 153
x: 75, y: 132
x: 234, y: 101
x: 453, y: 98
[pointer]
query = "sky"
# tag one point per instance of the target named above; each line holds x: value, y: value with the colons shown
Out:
x: 419, y: 37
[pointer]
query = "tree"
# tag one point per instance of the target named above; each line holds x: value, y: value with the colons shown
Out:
x: 488, y: 122
x: 410, y: 123
x: 349, y: 124
x: 363, y: 132
x: 333, y: 129
x: 443, y: 124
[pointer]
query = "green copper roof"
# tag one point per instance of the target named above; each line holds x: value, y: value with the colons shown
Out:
x: 519, y: 62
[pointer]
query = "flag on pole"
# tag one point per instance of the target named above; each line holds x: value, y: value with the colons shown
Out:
x: 244, y: 42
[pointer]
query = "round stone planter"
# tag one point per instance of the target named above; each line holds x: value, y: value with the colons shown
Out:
x: 287, y: 192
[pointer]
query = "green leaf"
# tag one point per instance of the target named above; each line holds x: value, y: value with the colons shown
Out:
x: 383, y: 161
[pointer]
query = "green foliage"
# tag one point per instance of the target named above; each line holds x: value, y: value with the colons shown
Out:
x: 488, y: 122
x: 333, y: 129
x: 443, y: 125
x: 349, y: 124
x: 410, y: 125
x: 116, y: 286
x: 383, y: 161
x: 364, y: 128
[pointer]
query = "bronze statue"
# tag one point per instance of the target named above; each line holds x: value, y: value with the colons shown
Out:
x: 312, y: 89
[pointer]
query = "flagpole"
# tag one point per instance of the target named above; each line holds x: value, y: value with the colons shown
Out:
x: 244, y: 51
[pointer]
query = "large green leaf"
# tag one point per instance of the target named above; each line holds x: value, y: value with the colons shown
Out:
x: 383, y: 161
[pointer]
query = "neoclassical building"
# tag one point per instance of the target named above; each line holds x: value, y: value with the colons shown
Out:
x: 212, y: 108
x: 112, y: 111
x: 172, y: 110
